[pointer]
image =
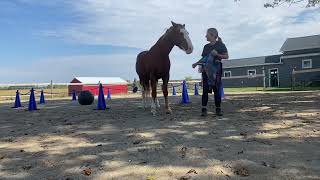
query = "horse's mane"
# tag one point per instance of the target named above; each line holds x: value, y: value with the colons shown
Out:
x: 168, y: 30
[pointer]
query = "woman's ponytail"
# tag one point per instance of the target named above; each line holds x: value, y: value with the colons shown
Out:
x: 214, y: 32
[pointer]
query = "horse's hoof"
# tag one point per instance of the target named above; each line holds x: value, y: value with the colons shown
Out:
x: 168, y: 111
x: 153, y: 112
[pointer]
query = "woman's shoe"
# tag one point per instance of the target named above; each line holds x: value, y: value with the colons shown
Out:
x: 204, y: 112
x: 219, y: 112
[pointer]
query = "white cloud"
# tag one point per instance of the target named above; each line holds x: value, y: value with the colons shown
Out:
x: 140, y: 23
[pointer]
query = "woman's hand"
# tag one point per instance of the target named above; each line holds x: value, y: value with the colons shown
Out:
x: 214, y: 52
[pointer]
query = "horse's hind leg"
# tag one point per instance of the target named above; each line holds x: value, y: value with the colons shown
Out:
x: 157, y: 103
x: 144, y: 99
x: 146, y: 94
x: 154, y: 97
x: 165, y: 94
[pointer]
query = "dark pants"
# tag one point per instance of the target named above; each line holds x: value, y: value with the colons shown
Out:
x: 206, y: 90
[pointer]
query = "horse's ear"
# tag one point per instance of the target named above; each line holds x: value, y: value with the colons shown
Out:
x: 184, y: 25
x: 173, y: 23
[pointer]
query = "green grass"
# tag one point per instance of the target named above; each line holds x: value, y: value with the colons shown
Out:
x: 308, y: 89
x: 245, y: 89
x: 249, y: 89
x: 254, y: 89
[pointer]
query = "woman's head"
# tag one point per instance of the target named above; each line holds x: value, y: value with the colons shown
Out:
x: 212, y: 35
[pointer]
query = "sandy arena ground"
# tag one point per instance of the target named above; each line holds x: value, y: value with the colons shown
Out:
x: 261, y: 136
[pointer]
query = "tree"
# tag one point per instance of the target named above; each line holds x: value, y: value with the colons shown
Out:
x: 188, y: 78
x: 275, y: 3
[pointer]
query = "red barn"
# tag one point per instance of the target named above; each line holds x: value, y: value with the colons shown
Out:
x: 115, y: 84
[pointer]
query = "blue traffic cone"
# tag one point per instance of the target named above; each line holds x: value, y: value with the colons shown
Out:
x: 185, y: 96
x: 17, y: 102
x: 221, y: 91
x: 174, y: 93
x: 196, y: 91
x: 109, y: 95
x: 42, y: 101
x: 32, y: 101
x: 74, y: 96
x: 101, y: 100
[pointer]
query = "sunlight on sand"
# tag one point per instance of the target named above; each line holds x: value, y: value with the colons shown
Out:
x: 57, y: 144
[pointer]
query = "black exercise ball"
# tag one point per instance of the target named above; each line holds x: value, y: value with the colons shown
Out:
x: 135, y: 89
x: 85, y: 98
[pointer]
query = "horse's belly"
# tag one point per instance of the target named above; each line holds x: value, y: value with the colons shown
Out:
x: 151, y: 66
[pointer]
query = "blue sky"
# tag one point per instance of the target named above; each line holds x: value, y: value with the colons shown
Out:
x: 24, y: 37
x: 43, y: 40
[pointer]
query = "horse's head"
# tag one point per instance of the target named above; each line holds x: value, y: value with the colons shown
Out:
x: 179, y: 36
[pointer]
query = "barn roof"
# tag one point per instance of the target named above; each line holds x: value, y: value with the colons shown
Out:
x: 103, y: 80
x: 244, y: 62
x: 253, y: 61
x: 301, y: 43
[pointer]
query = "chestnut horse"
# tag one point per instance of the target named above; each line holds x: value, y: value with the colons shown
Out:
x: 154, y: 64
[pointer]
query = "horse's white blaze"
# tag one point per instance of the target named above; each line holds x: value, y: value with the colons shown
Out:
x: 188, y: 40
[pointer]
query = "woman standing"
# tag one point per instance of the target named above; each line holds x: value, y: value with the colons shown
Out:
x: 220, y: 52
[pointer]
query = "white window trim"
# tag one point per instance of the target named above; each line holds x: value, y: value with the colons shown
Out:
x: 255, y: 72
x: 224, y: 73
x: 305, y: 60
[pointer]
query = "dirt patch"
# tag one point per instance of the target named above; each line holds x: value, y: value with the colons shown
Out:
x: 260, y: 136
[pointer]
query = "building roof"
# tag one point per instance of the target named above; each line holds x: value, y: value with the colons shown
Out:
x: 253, y: 61
x: 103, y: 80
x: 273, y: 58
x: 301, y: 43
x: 244, y: 62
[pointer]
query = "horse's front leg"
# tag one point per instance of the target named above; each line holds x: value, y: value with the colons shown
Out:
x: 154, y: 97
x: 144, y: 99
x: 157, y: 103
x: 165, y: 94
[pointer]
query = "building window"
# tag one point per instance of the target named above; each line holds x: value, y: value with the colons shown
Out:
x: 307, y: 63
x: 252, y: 72
x: 227, y: 73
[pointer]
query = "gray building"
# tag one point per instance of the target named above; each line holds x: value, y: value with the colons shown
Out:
x: 298, y: 64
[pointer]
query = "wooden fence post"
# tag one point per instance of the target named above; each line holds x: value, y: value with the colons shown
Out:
x: 51, y: 86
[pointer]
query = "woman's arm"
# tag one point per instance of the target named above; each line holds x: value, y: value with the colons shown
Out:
x: 201, y: 61
x: 220, y: 56
x: 223, y: 56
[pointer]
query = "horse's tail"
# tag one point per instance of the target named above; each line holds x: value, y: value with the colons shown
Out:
x: 141, y: 71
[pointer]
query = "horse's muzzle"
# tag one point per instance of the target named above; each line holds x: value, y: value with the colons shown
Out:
x: 190, y: 50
